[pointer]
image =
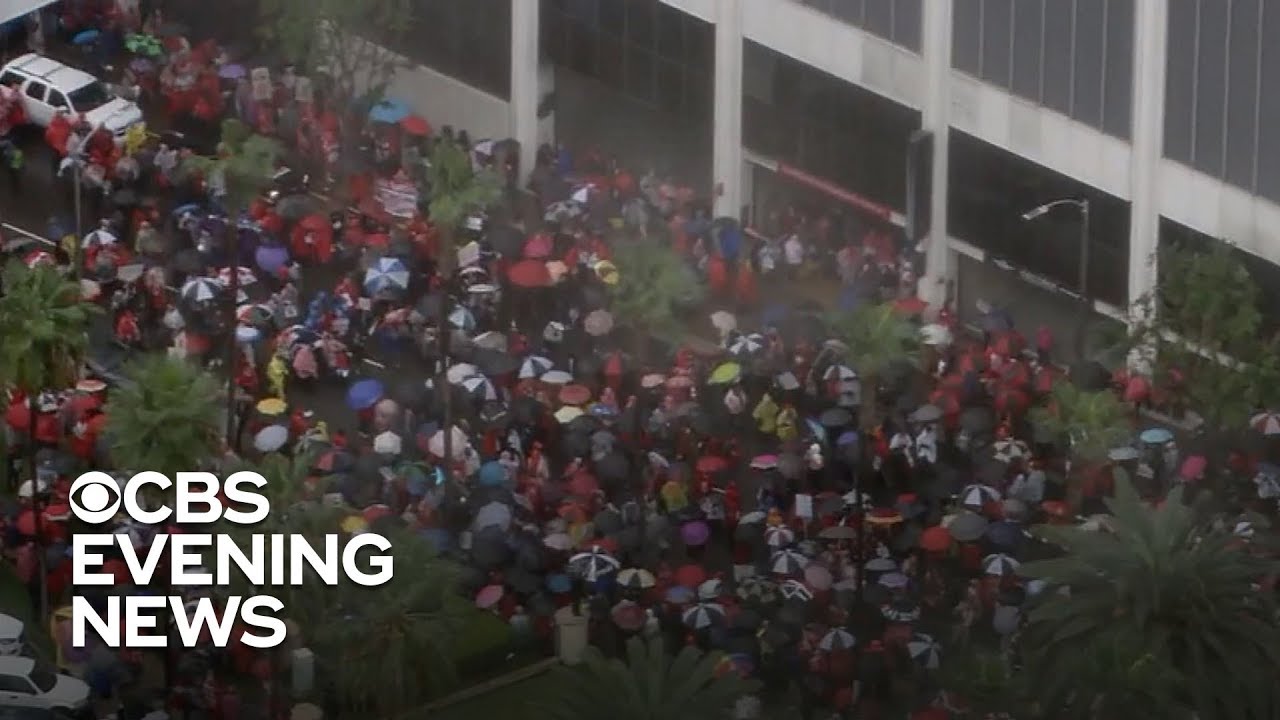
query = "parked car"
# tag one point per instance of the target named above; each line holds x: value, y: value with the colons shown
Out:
x: 31, y: 713
x: 12, y: 636
x: 46, y: 85
x: 29, y: 684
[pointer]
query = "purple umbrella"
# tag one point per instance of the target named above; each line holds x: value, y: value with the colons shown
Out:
x: 232, y: 72
x: 271, y: 257
x: 695, y: 533
x: 141, y: 65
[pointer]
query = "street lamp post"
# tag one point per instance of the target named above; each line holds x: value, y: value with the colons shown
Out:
x: 1082, y: 283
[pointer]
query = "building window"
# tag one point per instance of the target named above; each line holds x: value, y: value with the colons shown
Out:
x: 468, y: 41
x: 898, y: 21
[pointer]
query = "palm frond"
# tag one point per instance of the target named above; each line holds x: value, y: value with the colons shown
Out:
x: 165, y: 418
x: 44, y: 322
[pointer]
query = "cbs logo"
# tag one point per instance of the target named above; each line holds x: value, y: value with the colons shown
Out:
x: 197, y: 497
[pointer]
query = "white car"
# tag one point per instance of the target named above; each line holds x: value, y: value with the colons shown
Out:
x: 26, y: 683
x: 46, y: 85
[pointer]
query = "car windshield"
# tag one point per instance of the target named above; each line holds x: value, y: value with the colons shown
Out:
x: 89, y: 97
x: 44, y: 678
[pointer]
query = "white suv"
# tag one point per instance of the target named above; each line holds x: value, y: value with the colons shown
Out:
x: 26, y: 683
x: 46, y: 85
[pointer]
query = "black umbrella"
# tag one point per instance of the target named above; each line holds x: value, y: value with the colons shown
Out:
x: 977, y: 419
x: 412, y: 394
x: 613, y: 468
x: 583, y: 425
x: 521, y: 580
x: 836, y: 418
x: 124, y: 198
x: 608, y: 521
x: 492, y: 362
x: 489, y: 549
x: 526, y: 410
x: 506, y: 239
x: 172, y: 29
x: 430, y: 306
x: 494, y: 414
x: 187, y: 262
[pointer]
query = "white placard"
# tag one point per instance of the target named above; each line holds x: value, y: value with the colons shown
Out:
x: 804, y: 506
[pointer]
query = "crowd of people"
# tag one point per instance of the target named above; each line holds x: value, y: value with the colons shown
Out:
x: 747, y: 494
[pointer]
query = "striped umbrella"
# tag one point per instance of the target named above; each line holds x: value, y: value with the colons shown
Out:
x: 704, y: 615
x: 593, y: 564
x: 837, y: 639
x: 788, y: 562
x: 925, y: 651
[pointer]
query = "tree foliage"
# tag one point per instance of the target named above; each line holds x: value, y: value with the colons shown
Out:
x: 165, y: 417
x: 649, y: 685
x: 1206, y: 309
x: 343, y: 40
x: 654, y: 288
x: 1161, y: 614
x: 456, y: 190
x: 44, y: 322
x: 876, y: 338
x: 1088, y: 424
x: 243, y: 167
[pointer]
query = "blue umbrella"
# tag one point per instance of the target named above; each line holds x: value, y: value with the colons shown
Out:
x: 1155, y: 436
x: 84, y: 37
x: 679, y: 594
x: 492, y: 474
x: 386, y: 275
x: 389, y: 111
x: 271, y: 257
x: 364, y: 394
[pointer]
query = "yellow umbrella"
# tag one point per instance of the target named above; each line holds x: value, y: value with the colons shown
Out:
x: 607, y: 272
x: 271, y: 406
x: 354, y: 524
x: 725, y: 374
x: 568, y: 413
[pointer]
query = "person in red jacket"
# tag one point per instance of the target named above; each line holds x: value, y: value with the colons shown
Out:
x: 56, y: 136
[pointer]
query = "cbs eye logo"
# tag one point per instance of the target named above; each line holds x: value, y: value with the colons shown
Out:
x: 95, y: 498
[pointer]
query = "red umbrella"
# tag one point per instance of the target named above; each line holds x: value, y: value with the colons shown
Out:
x: 18, y: 416
x: 935, y: 539
x: 415, y: 125
x: 711, y: 464
x: 376, y: 512
x: 529, y: 274
x: 312, y: 238
x: 538, y: 246
x: 1012, y: 401
x: 946, y: 401
x: 1008, y: 344
x: 583, y: 484
x: 1137, y: 389
x: 691, y: 576
x: 910, y: 306
x: 574, y: 394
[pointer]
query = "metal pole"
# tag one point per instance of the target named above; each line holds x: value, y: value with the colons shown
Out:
x: 233, y: 252
x: 1085, y: 303
x: 76, y: 263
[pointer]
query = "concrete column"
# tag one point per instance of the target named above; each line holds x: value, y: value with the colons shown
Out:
x: 936, y: 112
x: 726, y: 143
x: 526, y: 92
x: 1149, y: 46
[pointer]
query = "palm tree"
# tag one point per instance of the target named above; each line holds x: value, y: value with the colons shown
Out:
x: 653, y: 289
x: 165, y: 417
x: 44, y: 323
x: 1171, y: 607
x: 649, y: 685
x: 456, y: 190
x: 1088, y: 424
x: 387, y: 649
x: 876, y: 338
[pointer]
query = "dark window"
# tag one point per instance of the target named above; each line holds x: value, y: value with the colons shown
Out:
x: 1180, y: 72
x: 669, y: 40
x: 1268, y: 134
x: 57, y: 99
x: 11, y: 78
x: 639, y: 73
x: 908, y: 24
x: 879, y: 17
x: 582, y: 48
x: 640, y: 22
x: 966, y: 36
x: 1058, y: 39
x: 13, y: 684
x: 1242, y: 92
x: 1117, y: 74
x: 898, y: 21
x: 1211, y: 89
x: 612, y: 65
x: 1027, y: 18
x: 471, y: 41
x: 613, y: 17
x: 997, y: 34
x: 1090, y: 46
x: 670, y: 86
x: 35, y: 90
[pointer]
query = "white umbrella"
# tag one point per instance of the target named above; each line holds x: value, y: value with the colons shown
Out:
x: 757, y: 588
x: 11, y: 635
x: 1268, y: 487
x: 779, y: 536
x: 753, y: 517
x: 387, y: 443
x: 597, y: 323
x: 244, y: 276
x: 593, y: 564
x: 492, y: 515
x: 200, y: 290
x: 491, y: 340
x: 975, y: 496
x: 936, y: 335
x: 842, y: 373
x: 1008, y: 450
x: 271, y: 438
x: 787, y: 381
x: 1000, y: 565
x: 553, y: 332
x: 724, y: 321
x: 581, y: 194
x: 385, y: 274
x: 435, y: 445
x: 462, y: 319
x: 558, y: 541
x: 636, y: 579
x: 28, y: 488
x: 535, y: 366
x: 459, y: 372
x: 483, y: 147
x: 788, y: 562
x: 556, y: 377
x: 925, y: 651
x: 745, y: 345
x: 1267, y: 423
x: 703, y: 615
x: 795, y: 590
x: 480, y: 388
x: 837, y: 639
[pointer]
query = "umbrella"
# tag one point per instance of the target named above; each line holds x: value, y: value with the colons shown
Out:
x: 725, y: 374
x: 1155, y: 436
x: 1008, y: 450
x: 489, y: 596
x: 787, y: 381
x: 200, y: 290
x: 965, y: 526
x: 1267, y: 423
x: 653, y: 380
x: 629, y: 616
x: 838, y: 532
x: 788, y: 562
x: 480, y: 388
x: 925, y: 651
x: 1000, y: 565
x: 568, y: 414
x: 385, y: 275
x: 1123, y: 453
x: 534, y: 366
x: 415, y: 125
x: 779, y: 536
x: 243, y: 276
x: 795, y: 590
x: 764, y: 462
x: 818, y: 577
x: 894, y: 580
x: 462, y: 319
x: 593, y: 564
x: 1005, y: 534
x: 435, y: 445
x: 837, y: 639
x: 724, y: 321
x: 387, y: 443
x: 597, y: 323
x: 703, y: 615
x: 556, y: 377
x: 459, y: 372
x: 492, y: 515
x: 695, y: 534
x: 85, y: 37
x: 270, y: 258
x: 836, y: 418
x: 364, y: 394
x: 636, y: 579
x: 232, y: 71
x: 529, y: 274
x: 839, y: 373
x: 711, y: 589
x: 271, y: 438
x: 575, y: 394
x: 389, y: 111
x: 757, y: 589
x: 491, y: 340
x: 558, y: 541
x: 976, y: 495
x: 746, y: 345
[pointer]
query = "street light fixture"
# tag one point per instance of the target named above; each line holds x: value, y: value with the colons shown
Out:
x: 1083, y: 281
